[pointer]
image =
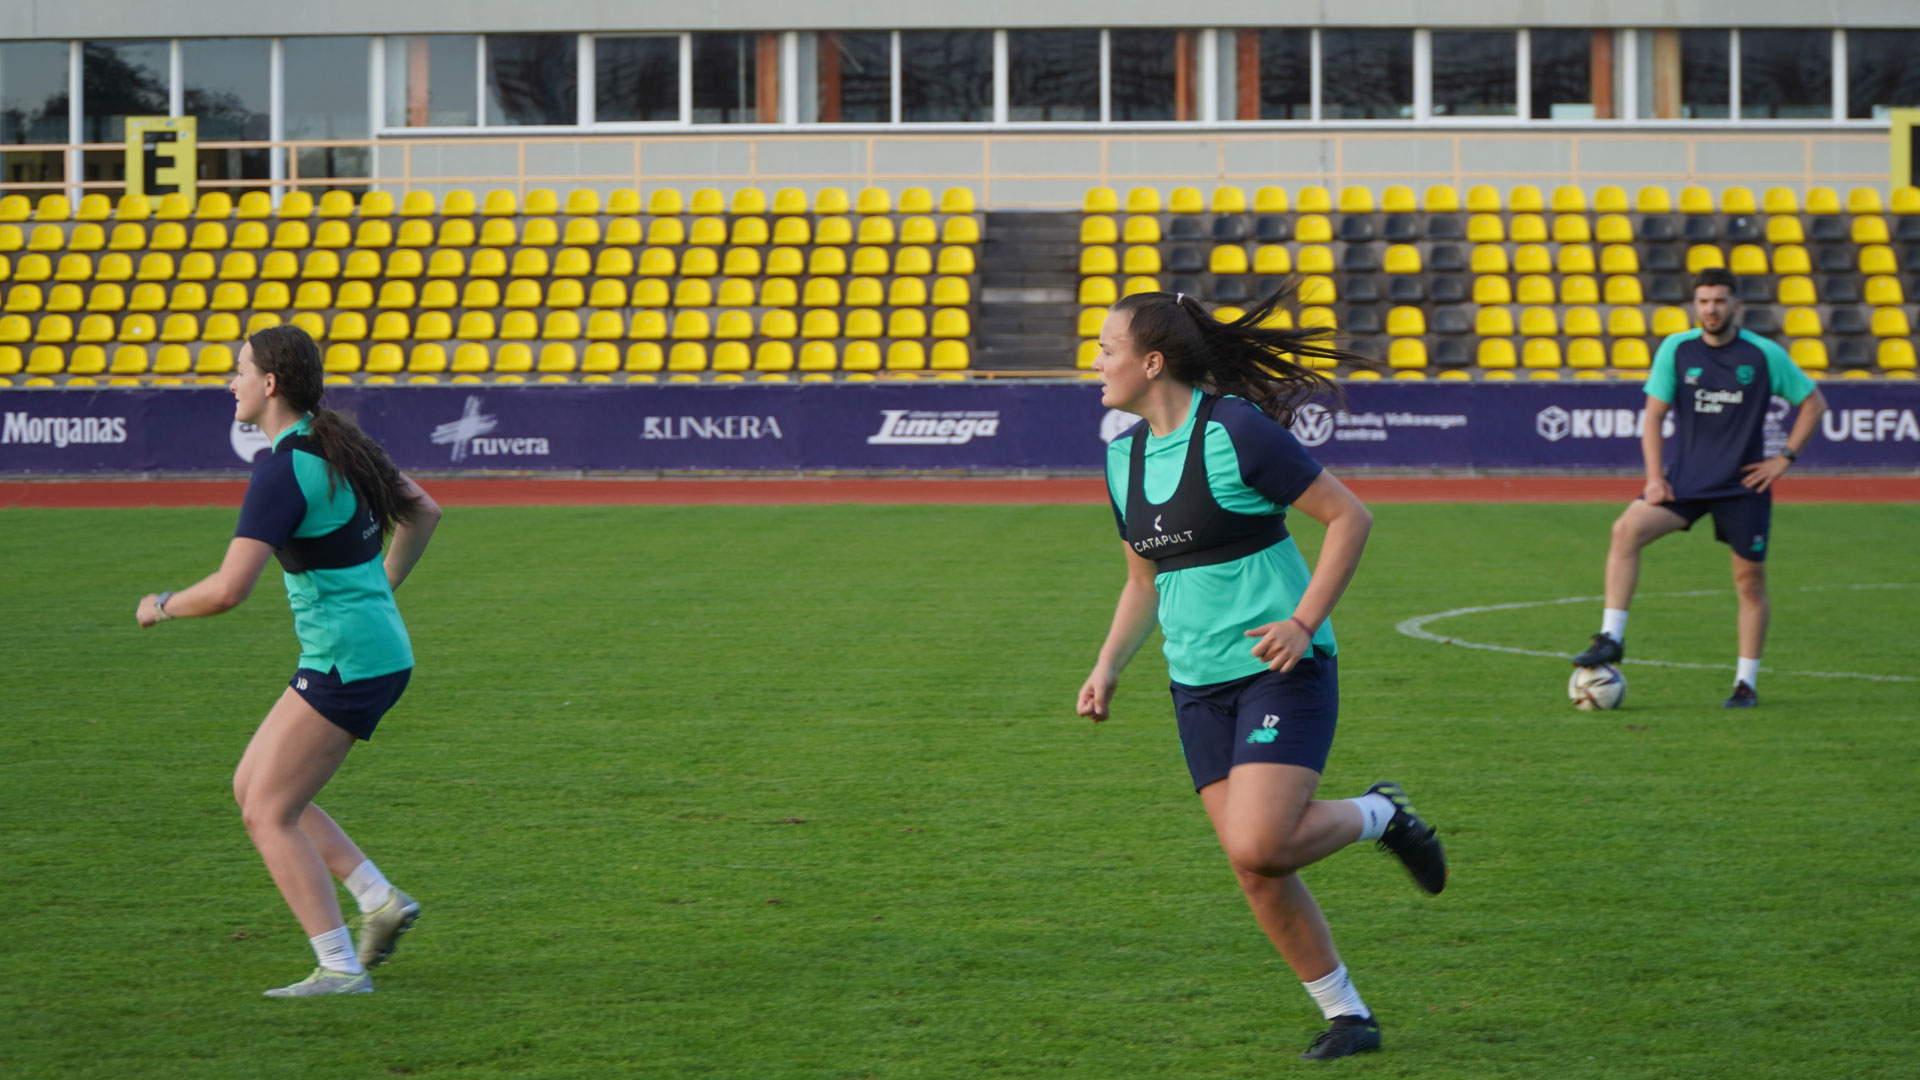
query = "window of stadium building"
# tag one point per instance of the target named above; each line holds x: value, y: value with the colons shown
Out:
x: 1366, y: 74
x: 636, y: 79
x: 122, y: 79
x: 1881, y: 72
x: 533, y: 79
x: 1474, y: 73
x: 946, y: 76
x: 1155, y: 74
x: 227, y: 83
x: 433, y: 80
x: 1571, y: 75
x: 846, y: 77
x: 736, y: 78
x: 1269, y: 74
x: 1054, y: 75
x: 33, y: 109
x: 325, y: 94
x: 1705, y: 75
x: 1786, y: 74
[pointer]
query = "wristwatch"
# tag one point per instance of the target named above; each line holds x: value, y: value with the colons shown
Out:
x: 1789, y: 453
x: 160, y: 606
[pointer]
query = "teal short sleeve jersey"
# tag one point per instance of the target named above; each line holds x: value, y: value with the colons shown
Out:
x: 344, y: 616
x: 1719, y: 395
x: 1253, y: 466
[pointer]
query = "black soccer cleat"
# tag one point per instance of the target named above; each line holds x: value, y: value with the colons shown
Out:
x: 1346, y: 1036
x: 1604, y: 650
x: 1411, y: 840
x: 1742, y: 697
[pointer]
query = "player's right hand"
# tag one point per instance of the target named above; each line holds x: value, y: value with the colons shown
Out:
x: 1096, y: 693
x: 1658, y: 492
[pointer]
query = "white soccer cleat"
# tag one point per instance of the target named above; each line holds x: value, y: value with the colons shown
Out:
x: 380, y: 929
x: 324, y: 982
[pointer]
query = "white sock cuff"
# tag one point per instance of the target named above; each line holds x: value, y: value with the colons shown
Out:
x: 1335, y: 995
x: 370, y: 888
x: 1747, y: 670
x: 1613, y: 623
x: 1376, y: 810
x: 334, y: 950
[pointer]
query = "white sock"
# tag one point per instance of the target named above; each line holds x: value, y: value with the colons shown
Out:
x: 1375, y: 811
x: 1747, y: 671
x: 1336, y: 996
x: 370, y: 888
x: 1613, y: 623
x: 334, y: 950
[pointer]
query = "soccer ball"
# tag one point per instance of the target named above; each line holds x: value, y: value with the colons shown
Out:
x: 1600, y: 687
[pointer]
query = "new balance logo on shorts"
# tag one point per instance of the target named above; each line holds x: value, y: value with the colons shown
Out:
x: 1265, y: 733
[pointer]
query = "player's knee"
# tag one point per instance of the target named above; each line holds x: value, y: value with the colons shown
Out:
x: 1626, y: 533
x: 261, y: 813
x: 1259, y: 855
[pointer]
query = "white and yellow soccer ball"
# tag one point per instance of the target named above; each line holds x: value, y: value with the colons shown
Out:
x: 1601, y: 687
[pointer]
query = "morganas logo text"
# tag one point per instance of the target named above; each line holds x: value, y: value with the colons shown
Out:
x: 467, y: 436
x: 63, y: 431
x: 913, y: 427
x: 1554, y: 423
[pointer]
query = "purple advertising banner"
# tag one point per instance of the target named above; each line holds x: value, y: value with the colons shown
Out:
x: 1055, y: 426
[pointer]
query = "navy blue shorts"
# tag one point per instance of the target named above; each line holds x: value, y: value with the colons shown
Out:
x: 354, y: 707
x: 1742, y: 522
x: 1284, y: 717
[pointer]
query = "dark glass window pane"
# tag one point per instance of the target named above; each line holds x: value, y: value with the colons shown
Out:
x: 946, y: 75
x: 729, y: 86
x: 326, y: 87
x: 533, y: 79
x: 1703, y: 74
x: 1153, y: 74
x: 637, y: 79
x: 1881, y: 72
x: 1366, y: 74
x: 1786, y: 74
x: 1055, y: 74
x: 855, y: 77
x: 33, y: 166
x: 1562, y: 75
x: 227, y: 86
x: 1284, y: 67
x: 121, y: 79
x: 431, y: 81
x: 1473, y: 73
x: 33, y: 92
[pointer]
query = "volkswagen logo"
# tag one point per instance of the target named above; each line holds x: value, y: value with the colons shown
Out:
x: 1313, y: 425
x: 1553, y: 423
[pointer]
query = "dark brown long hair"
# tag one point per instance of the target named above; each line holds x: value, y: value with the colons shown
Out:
x: 291, y: 357
x: 1245, y: 357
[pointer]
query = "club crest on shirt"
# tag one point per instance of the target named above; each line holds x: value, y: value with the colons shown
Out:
x: 1693, y: 376
x: 1744, y: 373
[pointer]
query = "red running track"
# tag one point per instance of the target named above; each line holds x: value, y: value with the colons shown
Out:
x: 888, y: 491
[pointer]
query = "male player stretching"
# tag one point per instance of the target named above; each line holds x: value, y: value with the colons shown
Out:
x: 1717, y: 381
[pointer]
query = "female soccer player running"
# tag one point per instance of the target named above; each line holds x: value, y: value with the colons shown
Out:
x: 319, y: 501
x: 1200, y: 490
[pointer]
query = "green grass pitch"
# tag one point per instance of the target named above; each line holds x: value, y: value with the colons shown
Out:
x: 798, y: 792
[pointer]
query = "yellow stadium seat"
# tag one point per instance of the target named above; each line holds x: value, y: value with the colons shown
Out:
x: 46, y: 360
x: 1573, y: 259
x: 692, y: 293
x: 229, y: 296
x: 1317, y: 289
x: 188, y: 296
x: 58, y: 329
x: 731, y: 356
x: 74, y: 267
x: 797, y: 230
x: 1801, y: 322
x: 563, y: 325
x: 128, y: 237
x: 15, y: 208
x: 1808, y: 353
x: 1586, y: 353
x: 1791, y: 259
x: 905, y: 323
x: 1398, y: 199
x: 1139, y: 230
x: 1095, y: 290
x: 1538, y: 322
x: 1863, y: 200
x: 1185, y: 200
x: 733, y: 326
x: 95, y: 329
x: 1228, y: 259
x: 1272, y: 259
x: 168, y: 236
x: 1535, y: 289
x: 1538, y: 353
x: 113, y: 267
x: 700, y: 262
x: 1315, y: 259
x: 336, y: 204
x: 1532, y: 259
x: 519, y: 325
x: 1407, y: 354
x: 1406, y: 322
x: 1870, y: 229
x: 1623, y: 289
x: 1578, y: 289
x: 907, y: 292
x: 1748, y: 259
x: 1695, y: 199
x: 470, y: 358
x: 821, y: 292
x: 957, y: 200
x: 106, y: 297
x: 605, y: 326
x: 820, y: 323
x: 614, y: 262
x: 1737, y: 200
x: 498, y: 233
x: 1525, y: 198
x: 1489, y: 259
x: 46, y: 238
x: 147, y: 296
x: 1142, y: 259
x: 1139, y: 284
x: 1797, y: 290
x: 1524, y: 229
x: 742, y: 262
x: 65, y: 297
x: 1313, y: 229
x: 1779, y: 200
x: 734, y: 292
x: 538, y: 232
x: 1671, y: 320
x: 87, y: 237
x: 250, y: 235
x: 15, y: 329
x: 863, y: 323
x: 1619, y: 259
x: 949, y: 356
x: 951, y: 323
x: 960, y: 230
x: 749, y: 232
x: 1891, y: 322
x: 1314, y: 199
x: 687, y: 356
x: 778, y: 292
x: 1493, y: 322
x: 1143, y: 200
x: 1877, y: 259
x: 348, y: 326
x: 1270, y: 200
x: 1483, y: 199
x: 197, y: 266
x: 385, y: 359
x: 1896, y: 354
x: 871, y: 200
x: 1582, y: 322
x: 1492, y: 289
x: 906, y: 356
x: 1100, y: 200
x: 1495, y: 353
x: 1571, y: 229
x: 1704, y: 256
x: 478, y: 326
x: 332, y: 235
x: 1091, y: 319
x: 1356, y: 200
x: 1882, y: 290
x: 1785, y: 230
x: 860, y: 356
x: 342, y: 358
x: 1568, y: 199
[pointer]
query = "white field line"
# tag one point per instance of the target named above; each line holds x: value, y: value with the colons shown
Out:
x: 1416, y: 627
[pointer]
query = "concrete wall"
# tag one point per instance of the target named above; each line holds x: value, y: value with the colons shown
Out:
x: 1014, y: 171
x: 221, y: 18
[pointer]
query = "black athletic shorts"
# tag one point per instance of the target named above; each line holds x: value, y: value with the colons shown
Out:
x: 354, y: 707
x: 1742, y: 522
x: 1285, y: 717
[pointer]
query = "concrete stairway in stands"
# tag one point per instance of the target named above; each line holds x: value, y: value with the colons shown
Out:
x: 1029, y: 281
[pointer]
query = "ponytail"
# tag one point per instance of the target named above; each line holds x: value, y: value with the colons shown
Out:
x: 291, y: 357
x: 1248, y: 357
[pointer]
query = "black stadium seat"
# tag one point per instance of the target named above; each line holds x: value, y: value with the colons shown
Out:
x: 1449, y: 288
x: 1403, y: 228
x: 1657, y: 228
x: 1229, y: 228
x: 1406, y: 289
x: 1444, y: 227
x: 1273, y: 230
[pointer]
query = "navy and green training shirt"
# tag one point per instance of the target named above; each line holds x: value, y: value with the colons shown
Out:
x: 344, y: 616
x: 1253, y: 466
x: 1719, y: 396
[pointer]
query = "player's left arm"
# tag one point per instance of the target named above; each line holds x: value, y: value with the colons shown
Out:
x: 1787, y: 380
x: 1328, y: 501
x: 222, y: 590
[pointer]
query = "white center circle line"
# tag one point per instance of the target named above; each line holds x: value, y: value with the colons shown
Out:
x: 1416, y: 627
